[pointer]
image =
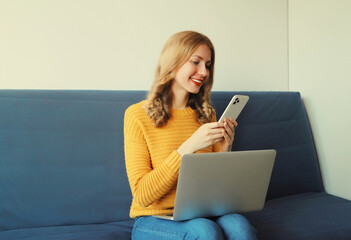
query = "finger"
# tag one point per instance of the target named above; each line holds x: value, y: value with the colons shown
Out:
x: 231, y: 133
x: 230, y: 130
x: 216, y: 125
x: 234, y: 122
x: 217, y: 135
x: 230, y: 125
x: 230, y: 119
x: 213, y: 131
x: 229, y: 137
x: 218, y: 140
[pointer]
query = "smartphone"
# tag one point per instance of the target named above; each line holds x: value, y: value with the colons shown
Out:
x: 234, y: 107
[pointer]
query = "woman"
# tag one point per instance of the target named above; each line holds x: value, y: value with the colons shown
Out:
x: 176, y: 119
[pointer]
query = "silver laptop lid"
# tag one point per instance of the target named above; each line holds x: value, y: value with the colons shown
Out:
x: 214, y: 184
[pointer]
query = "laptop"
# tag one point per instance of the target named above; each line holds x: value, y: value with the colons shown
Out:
x: 215, y: 184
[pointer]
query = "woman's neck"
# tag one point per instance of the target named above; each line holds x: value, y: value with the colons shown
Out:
x: 180, y: 101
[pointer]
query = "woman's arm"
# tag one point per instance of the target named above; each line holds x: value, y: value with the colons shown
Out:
x: 147, y: 184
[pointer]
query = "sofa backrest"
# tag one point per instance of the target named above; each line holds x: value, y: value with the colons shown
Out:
x: 62, y: 155
x: 278, y: 120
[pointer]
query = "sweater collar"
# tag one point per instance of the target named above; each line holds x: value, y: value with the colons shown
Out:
x: 182, y: 112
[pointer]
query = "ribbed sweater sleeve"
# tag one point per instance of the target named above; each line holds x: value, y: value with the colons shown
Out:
x: 148, y: 184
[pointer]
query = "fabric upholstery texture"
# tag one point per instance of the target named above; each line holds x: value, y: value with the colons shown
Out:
x: 312, y: 216
x: 107, y: 231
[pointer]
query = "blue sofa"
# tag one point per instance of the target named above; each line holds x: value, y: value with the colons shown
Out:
x: 62, y: 170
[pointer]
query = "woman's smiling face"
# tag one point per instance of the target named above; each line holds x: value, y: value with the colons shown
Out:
x: 191, y: 76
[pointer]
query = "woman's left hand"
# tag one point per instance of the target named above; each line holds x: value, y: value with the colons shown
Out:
x: 229, y: 132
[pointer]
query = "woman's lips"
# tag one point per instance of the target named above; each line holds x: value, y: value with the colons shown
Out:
x: 196, y: 81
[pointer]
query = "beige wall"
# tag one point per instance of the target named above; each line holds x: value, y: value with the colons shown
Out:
x: 114, y: 44
x: 320, y: 68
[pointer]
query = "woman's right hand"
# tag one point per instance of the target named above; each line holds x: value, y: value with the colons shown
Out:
x: 206, y: 135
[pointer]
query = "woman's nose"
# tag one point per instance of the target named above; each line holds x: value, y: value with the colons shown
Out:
x: 202, y: 70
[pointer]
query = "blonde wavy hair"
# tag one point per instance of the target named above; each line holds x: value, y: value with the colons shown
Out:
x: 176, y: 52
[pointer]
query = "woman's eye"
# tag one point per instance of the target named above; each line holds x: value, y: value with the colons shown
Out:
x: 195, y: 62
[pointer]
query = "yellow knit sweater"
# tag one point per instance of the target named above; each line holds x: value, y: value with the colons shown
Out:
x: 152, y: 161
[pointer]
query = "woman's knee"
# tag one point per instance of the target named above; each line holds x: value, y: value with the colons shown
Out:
x: 202, y: 228
x: 237, y: 219
x: 235, y: 226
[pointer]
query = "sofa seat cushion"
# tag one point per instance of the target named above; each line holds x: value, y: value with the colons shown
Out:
x: 115, y: 230
x: 312, y: 216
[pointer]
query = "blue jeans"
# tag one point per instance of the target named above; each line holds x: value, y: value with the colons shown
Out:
x: 231, y: 226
